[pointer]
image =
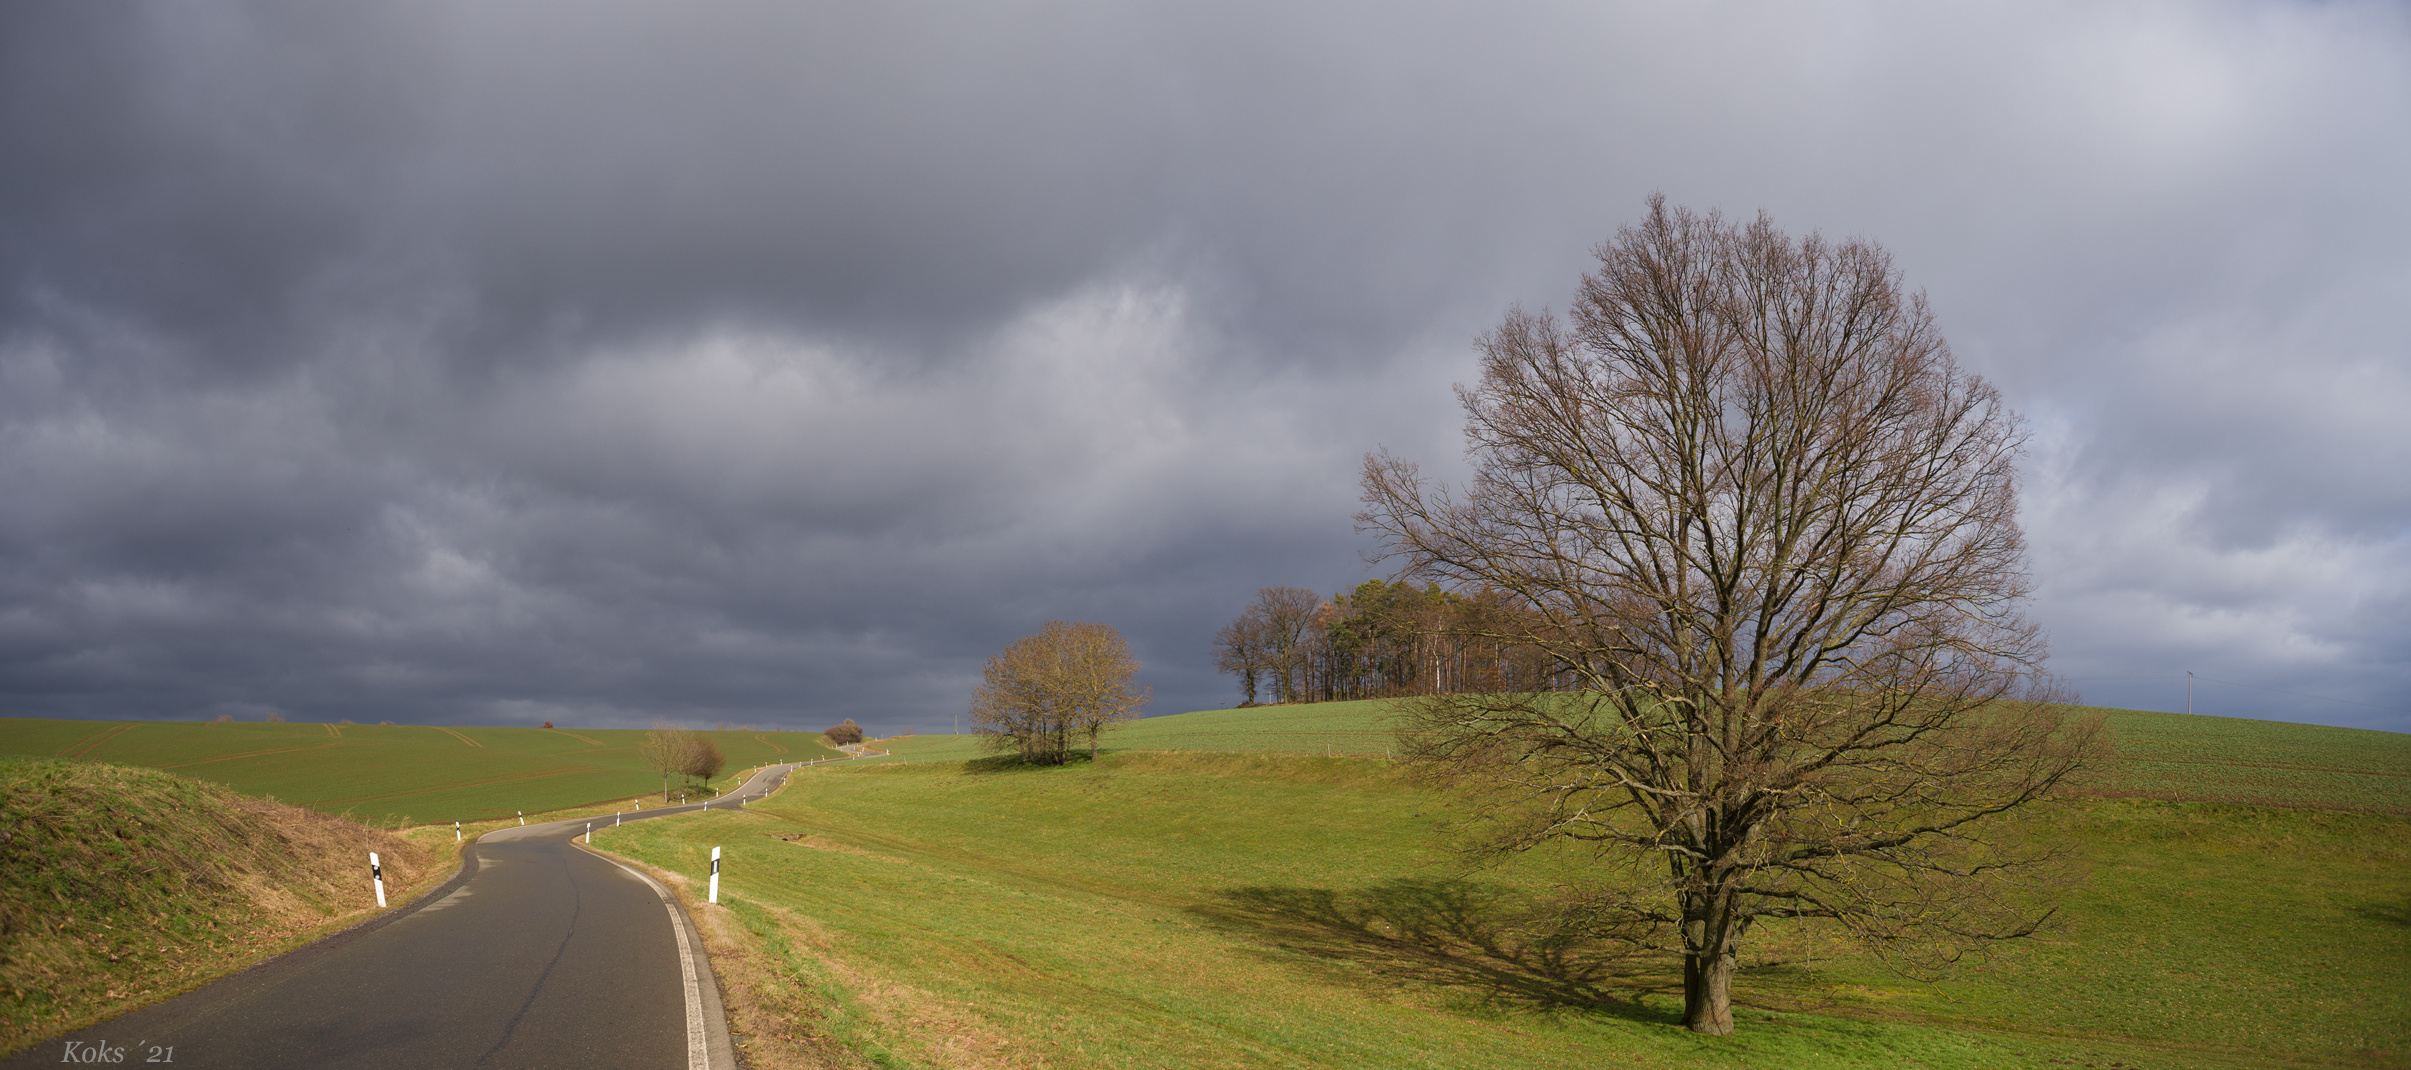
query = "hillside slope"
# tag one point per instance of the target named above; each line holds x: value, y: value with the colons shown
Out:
x: 2173, y: 757
x: 119, y: 885
x: 1230, y: 910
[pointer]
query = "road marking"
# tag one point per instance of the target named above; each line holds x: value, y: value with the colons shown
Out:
x: 698, y: 1053
x: 696, y: 1057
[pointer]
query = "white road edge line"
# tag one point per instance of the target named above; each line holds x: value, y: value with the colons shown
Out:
x: 698, y: 1056
x: 698, y: 1047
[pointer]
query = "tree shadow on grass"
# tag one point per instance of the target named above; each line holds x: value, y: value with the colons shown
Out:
x: 1013, y: 763
x: 1488, y: 944
x: 2390, y: 913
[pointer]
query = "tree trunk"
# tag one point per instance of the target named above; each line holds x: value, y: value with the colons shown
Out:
x: 1708, y: 992
x: 1710, y: 933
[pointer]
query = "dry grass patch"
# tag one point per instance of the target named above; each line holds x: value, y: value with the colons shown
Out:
x: 775, y: 1023
x: 795, y: 1002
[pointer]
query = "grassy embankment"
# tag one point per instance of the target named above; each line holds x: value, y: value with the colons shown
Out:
x: 1285, y: 909
x: 120, y: 886
x: 395, y: 775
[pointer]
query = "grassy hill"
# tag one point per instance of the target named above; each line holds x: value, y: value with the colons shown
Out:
x: 391, y: 774
x: 2169, y: 756
x: 1259, y: 888
x: 1252, y: 903
x: 121, y: 885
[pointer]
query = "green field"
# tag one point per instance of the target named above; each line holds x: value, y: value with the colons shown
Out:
x: 2261, y: 763
x: 2168, y: 756
x: 1356, y: 729
x: 1285, y: 909
x: 1260, y: 887
x: 392, y: 774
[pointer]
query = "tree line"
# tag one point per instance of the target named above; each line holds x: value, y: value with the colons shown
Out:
x: 1384, y: 640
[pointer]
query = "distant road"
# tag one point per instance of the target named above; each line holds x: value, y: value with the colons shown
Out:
x: 537, y: 955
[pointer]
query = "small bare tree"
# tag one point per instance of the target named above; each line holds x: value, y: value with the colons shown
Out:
x: 1240, y: 649
x: 1285, y: 618
x: 1066, y: 681
x: 703, y: 760
x: 1767, y: 527
x: 667, y: 750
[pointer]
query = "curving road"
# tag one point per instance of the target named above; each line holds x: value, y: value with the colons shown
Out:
x: 537, y: 954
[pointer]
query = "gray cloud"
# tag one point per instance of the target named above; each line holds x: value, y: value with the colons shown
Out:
x: 778, y: 362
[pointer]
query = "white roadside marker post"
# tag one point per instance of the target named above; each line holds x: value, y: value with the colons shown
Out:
x: 376, y: 873
x: 456, y: 832
x: 523, y: 817
x: 590, y: 832
x: 715, y: 876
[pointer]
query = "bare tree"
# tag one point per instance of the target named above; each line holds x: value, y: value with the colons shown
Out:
x: 667, y: 750
x: 1095, y: 684
x: 1288, y: 617
x: 1239, y: 648
x: 1046, y: 689
x: 1767, y: 527
x: 702, y: 760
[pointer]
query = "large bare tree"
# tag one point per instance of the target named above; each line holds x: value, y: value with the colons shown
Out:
x: 1766, y: 526
x: 1067, y: 681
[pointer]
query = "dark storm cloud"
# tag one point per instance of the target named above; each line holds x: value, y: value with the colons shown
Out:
x: 780, y: 361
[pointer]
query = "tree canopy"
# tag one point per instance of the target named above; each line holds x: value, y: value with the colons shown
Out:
x: 1067, y: 682
x: 676, y: 751
x: 1763, y: 527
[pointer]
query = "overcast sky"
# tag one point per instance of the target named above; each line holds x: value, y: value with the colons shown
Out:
x: 778, y: 361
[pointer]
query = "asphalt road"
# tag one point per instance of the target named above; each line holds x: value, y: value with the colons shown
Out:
x: 537, y: 954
